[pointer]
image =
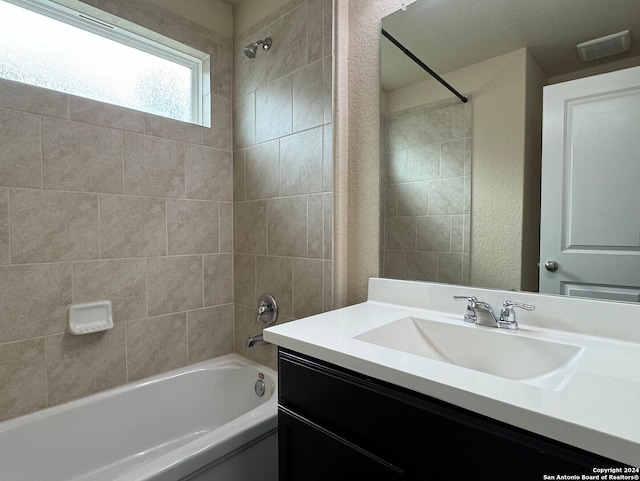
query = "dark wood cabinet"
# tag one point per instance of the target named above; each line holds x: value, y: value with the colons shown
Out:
x: 338, y: 424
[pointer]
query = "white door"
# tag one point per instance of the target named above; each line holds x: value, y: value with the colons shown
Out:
x: 590, y: 213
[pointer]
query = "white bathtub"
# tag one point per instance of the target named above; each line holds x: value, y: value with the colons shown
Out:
x: 201, y: 422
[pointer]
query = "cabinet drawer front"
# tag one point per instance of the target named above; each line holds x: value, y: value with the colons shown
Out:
x: 415, y: 432
x: 311, y: 453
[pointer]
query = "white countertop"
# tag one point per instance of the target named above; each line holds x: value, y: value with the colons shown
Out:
x: 597, y: 410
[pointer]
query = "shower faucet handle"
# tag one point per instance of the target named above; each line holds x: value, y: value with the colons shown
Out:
x: 267, y: 310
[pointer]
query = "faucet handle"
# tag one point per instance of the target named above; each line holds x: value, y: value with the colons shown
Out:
x: 470, y: 313
x: 508, y: 315
x: 469, y: 299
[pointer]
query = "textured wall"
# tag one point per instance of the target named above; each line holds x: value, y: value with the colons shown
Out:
x: 357, y: 139
x: 283, y: 169
x: 101, y: 202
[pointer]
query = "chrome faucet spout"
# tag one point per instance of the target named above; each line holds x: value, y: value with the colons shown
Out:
x: 255, y: 341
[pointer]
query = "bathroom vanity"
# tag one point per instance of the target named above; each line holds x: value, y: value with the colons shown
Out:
x: 399, y: 387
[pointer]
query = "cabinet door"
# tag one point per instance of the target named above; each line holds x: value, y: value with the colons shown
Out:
x: 431, y: 440
x: 308, y: 452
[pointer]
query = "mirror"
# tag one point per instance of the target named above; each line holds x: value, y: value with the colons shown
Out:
x: 500, y: 54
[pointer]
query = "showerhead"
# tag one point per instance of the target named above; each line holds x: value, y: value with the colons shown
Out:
x: 251, y: 49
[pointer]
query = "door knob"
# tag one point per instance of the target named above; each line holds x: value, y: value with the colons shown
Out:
x: 551, y: 266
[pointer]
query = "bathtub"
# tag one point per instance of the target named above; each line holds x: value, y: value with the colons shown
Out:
x: 204, y: 421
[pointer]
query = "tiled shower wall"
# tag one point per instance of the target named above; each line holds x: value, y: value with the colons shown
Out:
x: 282, y: 169
x: 101, y: 202
x: 426, y: 203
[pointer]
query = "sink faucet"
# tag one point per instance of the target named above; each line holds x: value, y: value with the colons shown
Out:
x: 482, y: 314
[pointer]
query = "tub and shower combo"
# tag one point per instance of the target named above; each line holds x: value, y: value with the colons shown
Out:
x: 213, y: 420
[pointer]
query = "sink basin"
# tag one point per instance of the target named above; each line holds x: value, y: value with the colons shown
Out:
x: 509, y: 355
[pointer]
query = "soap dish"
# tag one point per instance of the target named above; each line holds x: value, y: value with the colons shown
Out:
x: 90, y: 317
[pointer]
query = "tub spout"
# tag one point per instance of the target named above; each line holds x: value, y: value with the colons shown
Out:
x: 255, y: 341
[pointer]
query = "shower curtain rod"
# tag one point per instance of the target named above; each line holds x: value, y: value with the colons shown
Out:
x: 408, y: 53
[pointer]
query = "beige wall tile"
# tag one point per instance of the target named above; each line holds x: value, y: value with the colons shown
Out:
x: 446, y: 196
x: 210, y: 332
x: 301, y: 159
x: 145, y: 14
x: 395, y: 264
x: 208, y: 173
x: 328, y: 227
x: 450, y: 268
x: 153, y: 166
x: 123, y: 282
x: 226, y: 227
x: 244, y: 121
x: 452, y: 158
x: 239, y: 175
x: 427, y: 180
x: 172, y: 129
x: 218, y: 279
x: 274, y: 110
x: 22, y: 377
x: 288, y: 226
x: 400, y: 233
x: 402, y: 132
x: 274, y: 275
x: 327, y: 158
x: 292, y: 35
x: 413, y: 198
x: 250, y: 227
x: 20, y: 149
x: 315, y: 225
x: 457, y: 233
x: 225, y: 68
x: 263, y: 170
x: 156, y: 345
x: 307, y: 287
x: 193, y: 226
x: 308, y: 95
x: 81, y: 365
x: 33, y: 300
x: 5, y: 240
x: 132, y: 226
x: 220, y: 135
x: 187, y: 36
x: 458, y: 120
x: 397, y: 166
x: 78, y: 156
x: 423, y: 163
x: 328, y: 88
x: 174, y: 284
x: 51, y: 226
x: 422, y: 266
x: 434, y: 125
x: 108, y: 115
x: 434, y: 233
x: 244, y: 280
x: 19, y: 96
x: 315, y: 29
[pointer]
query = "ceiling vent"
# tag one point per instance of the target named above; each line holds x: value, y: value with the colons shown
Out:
x: 605, y: 46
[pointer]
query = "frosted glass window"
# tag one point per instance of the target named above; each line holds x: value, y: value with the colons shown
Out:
x: 43, y: 51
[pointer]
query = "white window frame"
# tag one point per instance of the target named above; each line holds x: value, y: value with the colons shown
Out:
x: 191, y: 58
